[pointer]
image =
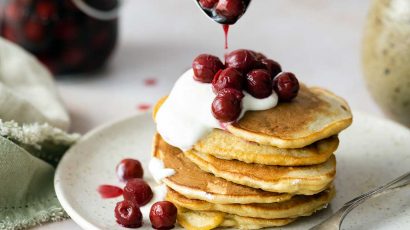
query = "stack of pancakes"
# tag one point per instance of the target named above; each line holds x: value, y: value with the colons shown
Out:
x: 265, y: 170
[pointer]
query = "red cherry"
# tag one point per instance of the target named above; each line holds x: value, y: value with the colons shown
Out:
x: 128, y: 169
x: 9, y: 33
x: 227, y: 107
x: 34, y: 31
x: 49, y: 62
x: 259, y: 56
x: 163, y: 215
x: 228, y: 78
x: 242, y: 60
x: 13, y: 12
x: 45, y: 9
x: 205, y: 67
x: 271, y: 66
x: 230, y: 9
x: 208, y: 3
x: 137, y: 191
x: 286, y: 85
x: 128, y: 214
x: 238, y: 94
x: 73, y: 56
x: 66, y: 30
x: 259, y: 83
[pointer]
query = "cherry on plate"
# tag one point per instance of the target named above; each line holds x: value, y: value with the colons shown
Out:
x: 226, y: 106
x: 286, y: 85
x: 228, y: 78
x: 128, y: 214
x: 163, y: 215
x: 242, y: 60
x: 128, y: 169
x: 137, y: 191
x: 205, y: 67
x: 230, y: 9
x: 259, y: 83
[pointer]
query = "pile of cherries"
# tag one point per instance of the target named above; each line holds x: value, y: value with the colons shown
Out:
x: 138, y: 193
x: 224, y: 11
x: 243, y: 70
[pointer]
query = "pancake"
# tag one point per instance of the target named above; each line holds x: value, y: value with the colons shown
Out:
x: 313, y: 115
x: 306, y: 180
x: 297, y: 206
x: 226, y: 146
x: 203, y: 220
x: 194, y: 183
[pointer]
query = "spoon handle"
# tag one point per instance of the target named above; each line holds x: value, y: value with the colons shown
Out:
x: 335, y: 220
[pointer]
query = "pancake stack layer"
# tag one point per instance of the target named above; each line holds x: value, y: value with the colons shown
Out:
x: 265, y: 170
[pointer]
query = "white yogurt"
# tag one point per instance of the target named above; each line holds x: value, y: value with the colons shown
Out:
x: 158, y: 171
x: 186, y: 115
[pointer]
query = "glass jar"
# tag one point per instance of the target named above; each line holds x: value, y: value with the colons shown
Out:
x: 68, y: 36
x: 386, y: 57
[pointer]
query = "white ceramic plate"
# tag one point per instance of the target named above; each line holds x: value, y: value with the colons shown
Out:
x: 372, y: 151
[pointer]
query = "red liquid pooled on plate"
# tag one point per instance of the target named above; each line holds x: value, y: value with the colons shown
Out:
x: 226, y: 32
x: 109, y: 191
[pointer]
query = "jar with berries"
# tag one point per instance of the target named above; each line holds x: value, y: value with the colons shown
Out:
x: 68, y: 36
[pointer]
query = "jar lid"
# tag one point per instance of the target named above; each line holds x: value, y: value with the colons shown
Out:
x: 97, y: 13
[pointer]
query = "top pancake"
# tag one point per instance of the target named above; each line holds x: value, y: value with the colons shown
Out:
x: 313, y: 115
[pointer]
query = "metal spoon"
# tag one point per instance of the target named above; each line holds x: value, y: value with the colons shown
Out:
x: 335, y: 221
x: 211, y: 13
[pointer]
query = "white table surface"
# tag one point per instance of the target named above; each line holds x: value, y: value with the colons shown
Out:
x: 318, y: 40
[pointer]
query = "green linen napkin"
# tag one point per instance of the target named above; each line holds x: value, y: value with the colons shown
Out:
x: 30, y: 145
x: 27, y: 90
x: 28, y: 155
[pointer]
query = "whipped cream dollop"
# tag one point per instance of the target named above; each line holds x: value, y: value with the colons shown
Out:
x: 158, y: 171
x: 186, y: 115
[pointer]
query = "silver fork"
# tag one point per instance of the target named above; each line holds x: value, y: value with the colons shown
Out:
x: 335, y: 221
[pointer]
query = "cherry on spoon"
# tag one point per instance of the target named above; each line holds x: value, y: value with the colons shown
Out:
x: 225, y: 12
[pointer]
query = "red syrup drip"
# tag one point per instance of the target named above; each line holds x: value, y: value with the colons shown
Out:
x: 226, y: 32
x: 143, y: 106
x: 223, y: 125
x: 150, y: 81
x: 109, y: 191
